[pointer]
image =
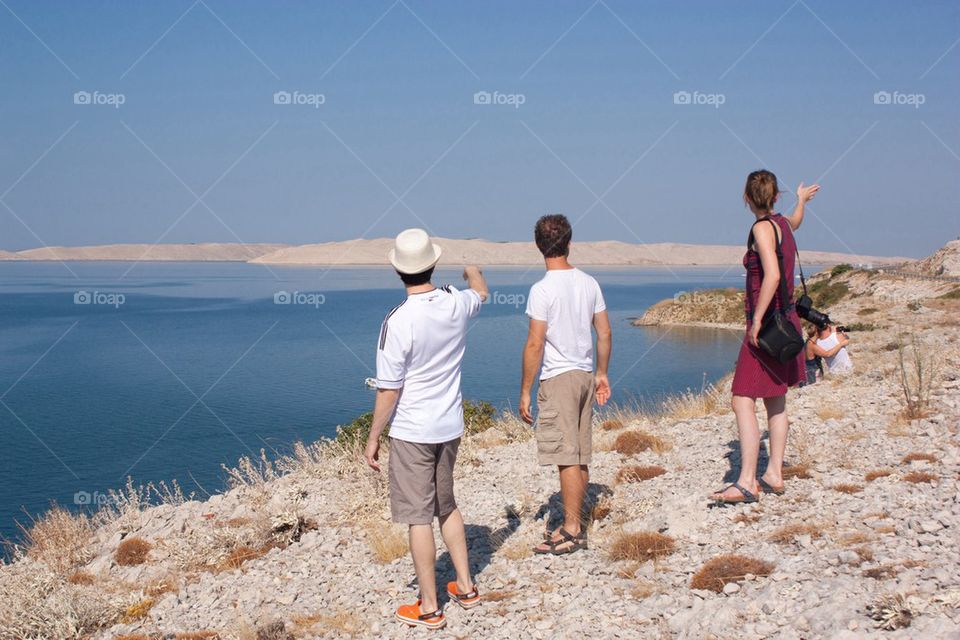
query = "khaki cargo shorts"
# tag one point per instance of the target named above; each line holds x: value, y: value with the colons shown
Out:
x: 565, y: 413
x: 421, y: 480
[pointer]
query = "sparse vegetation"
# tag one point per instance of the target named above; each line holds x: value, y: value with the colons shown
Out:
x: 59, y: 539
x: 840, y: 269
x: 789, y: 533
x: 722, y: 570
x: 953, y: 294
x: 918, y: 457
x: 845, y: 487
x: 642, y: 546
x: 800, y: 470
x: 612, y: 425
x: 695, y: 404
x: 132, y: 551
x: 826, y: 293
x: 830, y: 413
x: 870, y: 476
x: 637, y: 473
x: 601, y: 509
x: 862, y: 326
x: 138, y: 610
x: 631, y: 443
x: 387, y: 541
x: 867, y: 311
x: 918, y: 373
x: 920, y: 477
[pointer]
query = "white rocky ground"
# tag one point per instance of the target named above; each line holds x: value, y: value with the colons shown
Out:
x: 330, y: 583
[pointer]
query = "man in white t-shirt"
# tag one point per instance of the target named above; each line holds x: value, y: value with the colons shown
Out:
x: 564, y: 308
x: 419, y: 354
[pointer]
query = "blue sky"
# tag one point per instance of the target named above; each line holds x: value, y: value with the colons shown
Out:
x: 199, y: 151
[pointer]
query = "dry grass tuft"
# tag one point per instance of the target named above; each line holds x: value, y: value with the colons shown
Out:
x: 789, y: 533
x: 59, y: 539
x: 342, y: 623
x: 643, y: 590
x: 747, y: 518
x: 855, y: 538
x: 132, y: 551
x: 81, y: 577
x: 722, y: 570
x: 695, y: 404
x: 239, y: 555
x: 920, y: 477
x: 642, y: 546
x: 637, y: 473
x: 197, y: 635
x: 601, y: 509
x: 612, y: 425
x: 800, y: 470
x: 865, y: 553
x: 891, y: 612
x: 387, y: 541
x: 830, y: 413
x: 870, y: 476
x: 845, y: 487
x: 500, y: 596
x: 918, y: 457
x: 919, y: 372
x: 138, y: 610
x: 631, y: 443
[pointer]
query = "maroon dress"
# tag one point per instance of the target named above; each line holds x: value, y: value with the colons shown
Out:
x: 758, y: 374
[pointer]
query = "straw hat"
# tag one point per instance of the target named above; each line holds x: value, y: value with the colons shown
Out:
x: 413, y: 252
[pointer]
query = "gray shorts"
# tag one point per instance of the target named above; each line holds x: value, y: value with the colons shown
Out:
x: 564, y: 419
x: 421, y: 480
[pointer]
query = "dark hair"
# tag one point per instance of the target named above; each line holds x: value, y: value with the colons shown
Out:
x: 761, y: 190
x: 552, y: 235
x: 415, y: 279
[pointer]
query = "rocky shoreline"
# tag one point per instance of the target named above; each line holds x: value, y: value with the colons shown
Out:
x: 864, y: 543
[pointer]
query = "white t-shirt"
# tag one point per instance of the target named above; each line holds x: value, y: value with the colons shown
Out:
x: 566, y: 299
x: 840, y: 362
x: 420, y: 351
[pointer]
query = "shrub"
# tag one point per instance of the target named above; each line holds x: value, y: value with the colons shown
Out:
x: 867, y: 311
x: 870, y: 476
x: 478, y: 416
x: 633, y: 442
x: 81, y: 577
x: 918, y: 372
x: 137, y: 611
x: 862, y: 326
x: 918, y: 457
x: 722, y: 570
x: 840, y: 269
x: 611, y: 425
x: 919, y: 477
x: 848, y: 487
x: 132, y: 551
x: 826, y: 293
x: 387, y: 541
x: 59, y: 539
x: 636, y: 473
x: 642, y: 546
x: 953, y: 294
x: 789, y: 533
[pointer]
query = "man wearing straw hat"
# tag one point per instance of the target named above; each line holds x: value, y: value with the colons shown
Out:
x: 419, y: 354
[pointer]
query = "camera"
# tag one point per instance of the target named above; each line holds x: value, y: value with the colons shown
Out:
x: 806, y: 311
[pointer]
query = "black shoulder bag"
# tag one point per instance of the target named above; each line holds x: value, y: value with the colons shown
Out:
x: 778, y: 336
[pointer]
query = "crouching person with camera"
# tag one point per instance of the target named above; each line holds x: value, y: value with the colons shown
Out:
x: 769, y: 262
x: 419, y: 354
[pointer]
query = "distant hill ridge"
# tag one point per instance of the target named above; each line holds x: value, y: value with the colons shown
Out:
x: 455, y: 252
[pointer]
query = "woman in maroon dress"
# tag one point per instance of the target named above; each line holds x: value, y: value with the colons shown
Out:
x: 759, y: 375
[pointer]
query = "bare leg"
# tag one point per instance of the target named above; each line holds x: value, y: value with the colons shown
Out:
x: 572, y: 491
x: 424, y: 552
x: 778, y: 425
x: 585, y: 475
x: 745, y: 410
x: 454, y: 536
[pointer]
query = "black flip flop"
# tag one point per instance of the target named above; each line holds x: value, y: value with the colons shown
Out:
x: 766, y: 487
x: 748, y: 497
x: 576, y: 544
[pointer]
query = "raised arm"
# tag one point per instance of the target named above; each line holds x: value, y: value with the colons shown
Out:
x: 842, y: 341
x: 476, y: 281
x: 532, y: 359
x: 601, y: 324
x: 804, y: 195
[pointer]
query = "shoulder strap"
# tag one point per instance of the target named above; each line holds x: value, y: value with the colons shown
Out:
x: 784, y: 296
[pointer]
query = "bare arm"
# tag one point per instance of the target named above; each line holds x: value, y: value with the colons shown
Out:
x: 532, y: 359
x: 766, y: 243
x: 383, y: 408
x: 804, y: 195
x: 601, y: 324
x: 476, y: 281
x: 832, y: 351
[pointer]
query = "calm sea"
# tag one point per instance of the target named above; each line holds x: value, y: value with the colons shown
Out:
x: 165, y: 371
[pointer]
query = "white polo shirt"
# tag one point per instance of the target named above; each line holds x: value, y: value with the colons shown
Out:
x: 566, y: 299
x: 420, y: 352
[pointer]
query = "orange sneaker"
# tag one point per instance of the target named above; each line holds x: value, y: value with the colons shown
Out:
x: 467, y: 600
x: 412, y: 615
